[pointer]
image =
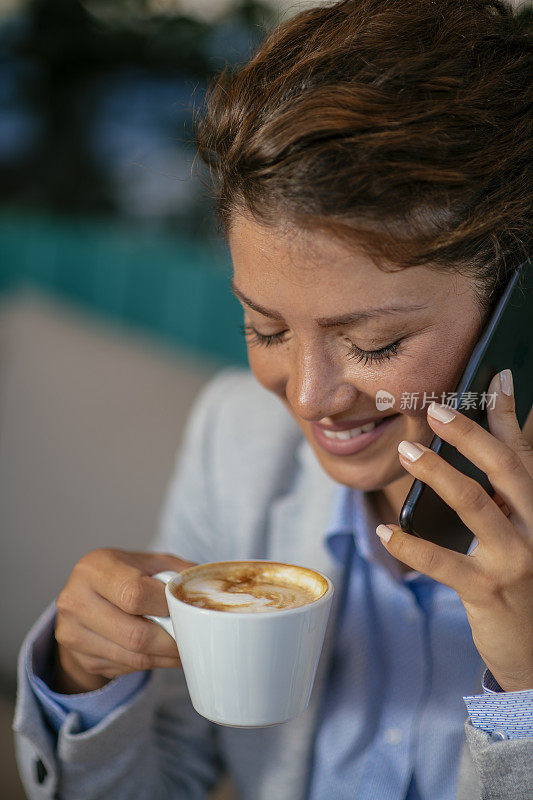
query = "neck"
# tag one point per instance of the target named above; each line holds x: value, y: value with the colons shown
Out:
x: 388, y: 503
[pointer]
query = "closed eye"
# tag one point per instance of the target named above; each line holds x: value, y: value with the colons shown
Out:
x: 368, y: 356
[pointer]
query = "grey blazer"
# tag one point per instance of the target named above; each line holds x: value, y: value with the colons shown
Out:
x: 247, y: 485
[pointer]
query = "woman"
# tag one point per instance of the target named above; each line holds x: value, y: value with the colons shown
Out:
x: 370, y: 167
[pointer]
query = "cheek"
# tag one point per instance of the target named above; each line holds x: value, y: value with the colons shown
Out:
x: 430, y: 369
x: 433, y: 380
x: 267, y: 369
x: 272, y: 371
x: 413, y: 379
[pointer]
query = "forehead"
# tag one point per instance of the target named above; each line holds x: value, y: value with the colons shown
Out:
x: 274, y: 264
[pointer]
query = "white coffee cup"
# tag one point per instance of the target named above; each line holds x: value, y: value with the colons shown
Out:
x: 247, y: 669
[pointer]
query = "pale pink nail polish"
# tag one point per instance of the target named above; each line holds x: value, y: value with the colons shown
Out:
x: 441, y: 412
x: 506, y: 382
x: 410, y: 450
x: 384, y: 533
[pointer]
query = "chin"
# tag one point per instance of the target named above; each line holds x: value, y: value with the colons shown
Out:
x: 370, y: 478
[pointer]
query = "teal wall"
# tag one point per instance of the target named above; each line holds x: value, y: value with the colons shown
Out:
x: 173, y: 287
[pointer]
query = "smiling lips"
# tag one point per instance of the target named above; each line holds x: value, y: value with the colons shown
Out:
x: 348, y: 441
x: 353, y: 424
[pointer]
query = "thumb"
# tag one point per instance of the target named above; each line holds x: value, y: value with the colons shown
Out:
x: 153, y: 563
x: 159, y: 562
x: 149, y: 563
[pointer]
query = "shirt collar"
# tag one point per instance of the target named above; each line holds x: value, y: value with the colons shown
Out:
x: 353, y: 515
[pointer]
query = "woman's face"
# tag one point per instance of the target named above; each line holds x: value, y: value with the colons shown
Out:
x: 304, y: 279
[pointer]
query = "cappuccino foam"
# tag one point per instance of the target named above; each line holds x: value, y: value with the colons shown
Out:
x: 250, y: 586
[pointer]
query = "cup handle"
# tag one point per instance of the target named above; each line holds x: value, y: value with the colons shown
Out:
x: 163, y: 622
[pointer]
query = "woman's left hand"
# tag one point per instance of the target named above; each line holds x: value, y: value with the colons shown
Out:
x: 495, y: 582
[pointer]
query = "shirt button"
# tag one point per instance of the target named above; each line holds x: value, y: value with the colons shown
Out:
x: 393, y: 735
x: 498, y: 735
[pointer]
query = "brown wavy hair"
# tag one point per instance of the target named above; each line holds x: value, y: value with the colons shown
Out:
x: 402, y: 127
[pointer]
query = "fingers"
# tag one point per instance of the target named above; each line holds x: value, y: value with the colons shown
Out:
x: 466, y: 496
x: 99, y: 627
x: 149, y: 563
x: 455, y: 570
x: 132, y: 633
x: 504, y: 508
x: 89, y: 647
x: 506, y: 459
x: 503, y: 423
x: 124, y: 579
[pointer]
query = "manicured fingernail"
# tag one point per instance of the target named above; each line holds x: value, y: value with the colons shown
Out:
x: 440, y: 412
x: 409, y: 450
x: 506, y: 382
x: 384, y: 533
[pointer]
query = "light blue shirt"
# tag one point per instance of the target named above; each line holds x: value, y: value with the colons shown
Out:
x: 404, y: 665
x: 403, y: 673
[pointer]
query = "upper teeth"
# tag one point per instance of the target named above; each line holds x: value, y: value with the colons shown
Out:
x: 351, y: 433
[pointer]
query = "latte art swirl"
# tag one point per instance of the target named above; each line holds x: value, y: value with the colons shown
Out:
x: 245, y: 595
x: 252, y: 587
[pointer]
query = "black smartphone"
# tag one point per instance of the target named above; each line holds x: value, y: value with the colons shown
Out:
x: 506, y: 342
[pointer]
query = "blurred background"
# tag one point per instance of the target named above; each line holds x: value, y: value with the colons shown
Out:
x: 115, y: 306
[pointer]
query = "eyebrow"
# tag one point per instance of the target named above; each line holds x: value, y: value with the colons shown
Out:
x: 331, y: 322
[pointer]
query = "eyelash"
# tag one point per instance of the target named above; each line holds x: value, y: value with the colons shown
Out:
x: 369, y: 356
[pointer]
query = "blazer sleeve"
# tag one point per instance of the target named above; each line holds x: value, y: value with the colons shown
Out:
x: 492, y: 769
x: 156, y: 745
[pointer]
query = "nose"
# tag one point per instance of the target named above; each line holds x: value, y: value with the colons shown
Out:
x: 316, y: 386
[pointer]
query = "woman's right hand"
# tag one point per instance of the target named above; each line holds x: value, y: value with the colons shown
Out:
x: 100, y: 631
